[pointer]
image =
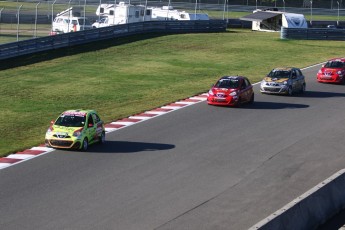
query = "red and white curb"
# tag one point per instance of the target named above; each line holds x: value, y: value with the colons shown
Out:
x: 28, y: 154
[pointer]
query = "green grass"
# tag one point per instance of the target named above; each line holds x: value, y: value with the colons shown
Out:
x: 139, y: 75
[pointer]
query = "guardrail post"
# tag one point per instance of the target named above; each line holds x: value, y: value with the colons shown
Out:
x: 35, y: 32
x: 0, y: 17
x: 18, y: 13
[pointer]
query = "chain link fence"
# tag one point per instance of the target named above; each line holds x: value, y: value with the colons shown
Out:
x: 21, y: 20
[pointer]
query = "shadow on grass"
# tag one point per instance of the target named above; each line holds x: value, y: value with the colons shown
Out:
x: 128, y: 147
x: 66, y: 51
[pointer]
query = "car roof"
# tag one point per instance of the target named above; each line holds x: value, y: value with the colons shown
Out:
x: 337, y: 59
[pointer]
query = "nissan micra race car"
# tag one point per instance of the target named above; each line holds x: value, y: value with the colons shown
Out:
x: 332, y: 72
x: 75, y: 129
x: 231, y: 91
x: 285, y: 80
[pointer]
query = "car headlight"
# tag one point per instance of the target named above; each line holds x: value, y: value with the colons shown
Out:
x: 285, y: 82
x: 78, y: 132
x: 319, y: 71
x: 49, y: 130
x: 339, y: 72
x: 233, y: 93
x: 210, y: 92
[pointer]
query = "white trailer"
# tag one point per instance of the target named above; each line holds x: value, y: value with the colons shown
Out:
x: 268, y: 20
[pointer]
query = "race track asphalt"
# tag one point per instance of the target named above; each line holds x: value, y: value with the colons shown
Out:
x: 200, y: 167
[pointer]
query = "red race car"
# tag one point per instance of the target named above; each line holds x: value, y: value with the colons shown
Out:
x: 231, y: 91
x: 333, y: 71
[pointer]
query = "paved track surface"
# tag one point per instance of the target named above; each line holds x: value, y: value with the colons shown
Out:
x: 201, y: 167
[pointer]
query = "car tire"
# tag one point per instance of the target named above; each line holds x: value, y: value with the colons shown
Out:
x: 102, y: 139
x: 290, y: 93
x: 85, y: 145
x: 303, y: 88
x: 251, y: 101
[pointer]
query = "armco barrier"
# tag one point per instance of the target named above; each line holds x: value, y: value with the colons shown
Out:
x: 31, y: 46
x: 311, y: 209
x: 313, y: 34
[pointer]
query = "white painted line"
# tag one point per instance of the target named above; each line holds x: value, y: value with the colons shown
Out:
x: 156, y: 112
x: 139, y: 117
x: 42, y: 148
x: 5, y: 165
x: 185, y: 102
x: 108, y: 130
x: 20, y: 156
x: 126, y: 123
x: 171, y: 107
x: 198, y: 98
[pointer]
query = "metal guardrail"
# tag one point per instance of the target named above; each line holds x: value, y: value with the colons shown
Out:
x: 313, y: 34
x: 15, y: 49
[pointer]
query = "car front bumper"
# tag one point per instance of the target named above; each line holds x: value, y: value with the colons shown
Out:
x: 330, y: 79
x: 63, y: 143
x: 227, y: 101
x: 284, y: 89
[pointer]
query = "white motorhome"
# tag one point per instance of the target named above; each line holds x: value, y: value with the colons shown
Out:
x: 268, y: 20
x: 168, y: 13
x: 121, y: 13
x: 70, y: 20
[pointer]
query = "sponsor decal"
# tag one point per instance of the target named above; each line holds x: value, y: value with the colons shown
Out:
x: 74, y: 113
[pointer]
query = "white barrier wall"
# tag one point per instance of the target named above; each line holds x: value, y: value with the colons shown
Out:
x: 311, y: 209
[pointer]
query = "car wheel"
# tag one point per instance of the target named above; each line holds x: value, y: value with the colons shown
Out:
x: 251, y: 101
x: 290, y: 91
x: 303, y: 88
x: 85, y: 144
x: 102, y: 139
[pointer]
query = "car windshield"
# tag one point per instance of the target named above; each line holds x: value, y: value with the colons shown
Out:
x: 279, y: 74
x: 334, y: 64
x: 70, y: 121
x: 229, y: 83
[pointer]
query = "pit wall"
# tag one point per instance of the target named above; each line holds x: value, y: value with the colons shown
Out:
x: 311, y: 209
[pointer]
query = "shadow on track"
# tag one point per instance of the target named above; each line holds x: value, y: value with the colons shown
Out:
x: 128, y: 147
x: 268, y: 105
x: 318, y: 94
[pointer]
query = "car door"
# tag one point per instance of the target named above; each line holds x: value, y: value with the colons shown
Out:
x: 91, y: 129
x: 295, y: 81
x: 249, y: 89
x: 299, y: 79
x: 245, y: 92
x: 99, y: 125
